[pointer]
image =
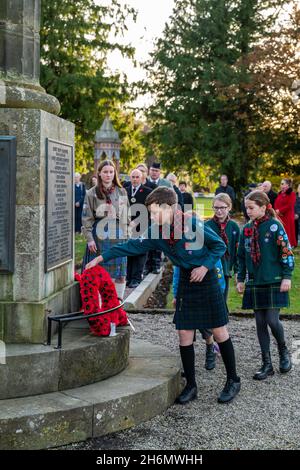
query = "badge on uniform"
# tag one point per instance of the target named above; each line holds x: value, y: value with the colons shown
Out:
x: 274, y: 228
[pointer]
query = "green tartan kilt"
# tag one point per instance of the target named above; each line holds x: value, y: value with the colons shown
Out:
x: 265, y: 297
x: 199, y: 305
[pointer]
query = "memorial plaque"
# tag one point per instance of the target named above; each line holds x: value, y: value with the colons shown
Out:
x: 59, y: 204
x: 7, y: 203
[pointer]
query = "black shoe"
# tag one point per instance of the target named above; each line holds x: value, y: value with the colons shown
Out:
x: 285, y: 363
x: 230, y: 390
x: 188, y: 394
x: 266, y: 368
x: 156, y: 271
x: 133, y: 284
x: 146, y: 272
x: 182, y: 374
x: 210, y: 358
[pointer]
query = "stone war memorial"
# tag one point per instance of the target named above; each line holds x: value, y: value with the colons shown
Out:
x: 48, y: 396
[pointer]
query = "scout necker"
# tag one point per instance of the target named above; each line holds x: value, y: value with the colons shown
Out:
x: 199, y: 302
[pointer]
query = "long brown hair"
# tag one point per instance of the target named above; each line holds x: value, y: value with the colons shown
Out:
x: 261, y: 199
x: 116, y: 182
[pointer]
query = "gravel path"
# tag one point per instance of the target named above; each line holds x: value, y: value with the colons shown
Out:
x: 265, y: 415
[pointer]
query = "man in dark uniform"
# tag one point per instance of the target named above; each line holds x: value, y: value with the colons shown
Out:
x: 79, y: 198
x: 137, y: 193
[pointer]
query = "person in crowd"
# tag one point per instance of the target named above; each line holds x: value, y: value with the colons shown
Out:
x: 266, y: 259
x: 94, y: 181
x: 195, y: 248
x: 145, y: 180
x: 105, y: 220
x: 267, y: 188
x: 79, y: 199
x: 285, y: 208
x: 155, y: 178
x: 188, y: 201
x: 229, y: 231
x: 225, y: 188
x: 137, y: 194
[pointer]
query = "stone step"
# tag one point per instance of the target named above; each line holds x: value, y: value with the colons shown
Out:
x: 32, y: 369
x: 144, y: 389
x: 139, y: 296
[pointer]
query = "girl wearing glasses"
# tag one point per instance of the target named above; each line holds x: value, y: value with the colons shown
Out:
x: 229, y: 231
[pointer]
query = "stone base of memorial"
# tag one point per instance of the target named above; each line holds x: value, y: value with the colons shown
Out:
x: 39, y: 278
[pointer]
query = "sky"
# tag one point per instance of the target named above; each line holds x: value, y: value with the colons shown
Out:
x: 151, y: 19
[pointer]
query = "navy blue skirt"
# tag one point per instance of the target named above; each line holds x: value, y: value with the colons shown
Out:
x: 199, y: 304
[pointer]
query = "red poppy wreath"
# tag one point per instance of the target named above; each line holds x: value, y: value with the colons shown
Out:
x: 96, y: 283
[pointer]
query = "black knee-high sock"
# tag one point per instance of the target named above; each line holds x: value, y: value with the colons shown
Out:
x: 227, y: 353
x: 188, y: 361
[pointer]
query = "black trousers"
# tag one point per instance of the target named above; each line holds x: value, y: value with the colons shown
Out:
x: 153, y: 260
x: 135, y: 267
x: 78, y: 223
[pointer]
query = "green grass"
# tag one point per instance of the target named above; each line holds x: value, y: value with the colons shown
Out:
x: 204, y: 208
x: 80, y: 245
x: 235, y: 299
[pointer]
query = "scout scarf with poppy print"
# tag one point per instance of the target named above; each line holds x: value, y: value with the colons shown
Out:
x: 254, y: 243
x: 223, y: 234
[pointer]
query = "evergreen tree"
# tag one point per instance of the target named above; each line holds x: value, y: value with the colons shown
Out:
x: 205, y: 74
x: 75, y: 40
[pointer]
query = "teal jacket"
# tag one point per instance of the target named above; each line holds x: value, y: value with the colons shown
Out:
x: 277, y: 260
x: 233, y: 234
x: 205, y: 248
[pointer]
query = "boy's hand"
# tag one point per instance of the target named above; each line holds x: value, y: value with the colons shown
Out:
x: 285, y: 285
x: 198, y: 274
x: 174, y: 302
x: 94, y: 262
x: 240, y: 287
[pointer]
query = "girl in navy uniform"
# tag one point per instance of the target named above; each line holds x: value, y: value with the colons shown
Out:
x: 229, y: 231
x: 265, y: 255
x: 199, y: 302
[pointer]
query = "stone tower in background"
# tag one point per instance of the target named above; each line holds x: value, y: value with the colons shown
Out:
x: 36, y: 185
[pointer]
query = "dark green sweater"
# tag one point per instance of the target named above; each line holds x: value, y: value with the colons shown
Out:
x: 233, y: 234
x: 277, y: 260
x: 205, y: 249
